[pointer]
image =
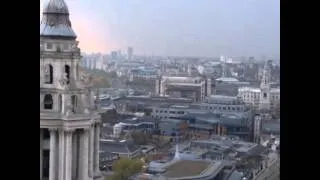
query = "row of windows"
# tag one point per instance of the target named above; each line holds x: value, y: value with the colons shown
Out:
x: 256, y: 95
x: 171, y: 112
x: 163, y: 117
x: 48, y: 73
x: 223, y: 108
x: 59, y: 47
x: 48, y: 102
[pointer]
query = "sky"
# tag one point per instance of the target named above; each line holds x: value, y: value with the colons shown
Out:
x: 178, y: 27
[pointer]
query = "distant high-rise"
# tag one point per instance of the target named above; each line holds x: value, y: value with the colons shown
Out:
x: 130, y: 53
x: 114, y: 55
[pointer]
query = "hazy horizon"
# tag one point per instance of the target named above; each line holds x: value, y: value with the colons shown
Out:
x: 178, y: 27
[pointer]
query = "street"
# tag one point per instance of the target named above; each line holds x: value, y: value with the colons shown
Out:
x: 272, y: 173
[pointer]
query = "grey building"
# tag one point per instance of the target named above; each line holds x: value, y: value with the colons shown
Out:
x: 122, y: 148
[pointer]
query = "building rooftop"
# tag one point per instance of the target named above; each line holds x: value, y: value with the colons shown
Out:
x: 221, y: 99
x: 137, y: 120
x: 271, y: 127
x: 175, y: 79
x: 236, y: 175
x: 232, y: 119
x: 236, y: 145
x: 227, y: 79
x: 186, y: 168
x: 252, y: 89
x: 116, y: 146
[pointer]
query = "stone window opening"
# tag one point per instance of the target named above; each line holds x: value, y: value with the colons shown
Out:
x: 60, y: 102
x: 49, y: 45
x: 48, y: 101
x: 58, y: 48
x: 74, y: 103
x: 264, y: 95
x: 67, y: 73
x: 48, y: 74
x: 77, y: 71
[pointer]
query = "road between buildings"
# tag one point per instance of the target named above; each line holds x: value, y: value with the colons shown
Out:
x: 272, y: 173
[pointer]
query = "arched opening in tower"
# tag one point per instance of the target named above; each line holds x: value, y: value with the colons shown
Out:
x: 67, y: 73
x: 48, y: 102
x: 60, y: 102
x: 264, y: 95
x: 74, y: 103
x: 48, y: 74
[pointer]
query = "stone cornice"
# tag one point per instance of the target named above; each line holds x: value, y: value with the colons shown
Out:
x: 60, y: 55
x: 69, y: 91
x: 60, y: 125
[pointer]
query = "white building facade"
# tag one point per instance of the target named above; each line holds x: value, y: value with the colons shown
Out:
x: 196, y: 88
x: 263, y: 98
x: 69, y: 124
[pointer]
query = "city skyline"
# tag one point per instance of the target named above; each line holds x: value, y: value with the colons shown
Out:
x: 178, y: 28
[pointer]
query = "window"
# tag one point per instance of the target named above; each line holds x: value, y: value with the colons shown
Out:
x: 264, y: 95
x: 67, y: 73
x: 46, y: 134
x: 49, y: 45
x: 224, y: 108
x: 60, y: 102
x: 48, y: 74
x: 77, y: 71
x: 228, y: 108
x: 74, y: 103
x: 48, y: 102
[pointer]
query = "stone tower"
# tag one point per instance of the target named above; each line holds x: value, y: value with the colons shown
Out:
x: 69, y: 124
x: 265, y: 89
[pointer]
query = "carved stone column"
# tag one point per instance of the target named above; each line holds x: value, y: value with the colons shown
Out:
x: 61, y: 154
x: 84, y: 154
x: 53, y: 163
x: 68, y: 133
x: 75, y: 158
x: 91, y: 150
x: 97, y: 148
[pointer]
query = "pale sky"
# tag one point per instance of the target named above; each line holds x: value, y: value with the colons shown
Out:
x: 178, y: 27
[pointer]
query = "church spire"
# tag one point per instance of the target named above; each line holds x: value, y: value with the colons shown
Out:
x: 55, y: 21
x: 265, y: 80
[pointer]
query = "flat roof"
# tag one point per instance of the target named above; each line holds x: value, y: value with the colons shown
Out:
x: 186, y: 168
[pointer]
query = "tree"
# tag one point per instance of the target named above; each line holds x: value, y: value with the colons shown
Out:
x: 124, y: 168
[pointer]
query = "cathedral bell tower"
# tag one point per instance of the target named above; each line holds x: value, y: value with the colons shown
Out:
x: 67, y: 113
x: 265, y: 89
